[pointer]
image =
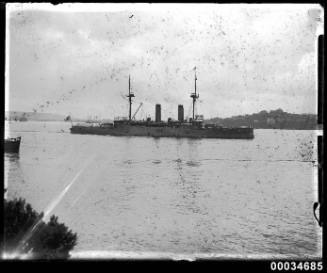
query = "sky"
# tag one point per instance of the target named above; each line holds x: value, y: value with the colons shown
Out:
x: 76, y: 58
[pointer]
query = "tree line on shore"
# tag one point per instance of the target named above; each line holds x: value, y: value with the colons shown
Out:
x: 275, y: 119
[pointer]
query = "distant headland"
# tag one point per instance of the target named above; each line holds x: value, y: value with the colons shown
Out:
x: 32, y: 116
x: 37, y: 116
x: 275, y: 119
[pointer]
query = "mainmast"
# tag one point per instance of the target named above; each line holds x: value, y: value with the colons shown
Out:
x: 194, y: 96
x: 130, y: 96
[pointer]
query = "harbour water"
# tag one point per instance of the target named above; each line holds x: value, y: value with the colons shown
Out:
x: 164, y: 195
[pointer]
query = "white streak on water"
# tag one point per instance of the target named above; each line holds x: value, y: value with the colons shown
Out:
x: 57, y: 200
x: 52, y: 206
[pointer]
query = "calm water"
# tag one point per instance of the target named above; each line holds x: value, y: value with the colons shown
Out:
x: 139, y: 194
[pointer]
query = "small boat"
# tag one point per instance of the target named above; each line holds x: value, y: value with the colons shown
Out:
x: 12, y: 144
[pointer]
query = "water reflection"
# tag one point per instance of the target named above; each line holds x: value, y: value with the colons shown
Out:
x: 12, y: 157
x: 12, y: 165
x: 157, y: 142
x: 187, y: 180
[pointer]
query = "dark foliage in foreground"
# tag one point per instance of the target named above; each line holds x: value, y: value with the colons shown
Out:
x: 25, y: 231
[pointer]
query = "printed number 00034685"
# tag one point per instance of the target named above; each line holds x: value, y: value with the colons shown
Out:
x: 305, y: 266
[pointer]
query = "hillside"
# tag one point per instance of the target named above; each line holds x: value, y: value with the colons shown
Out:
x: 275, y: 119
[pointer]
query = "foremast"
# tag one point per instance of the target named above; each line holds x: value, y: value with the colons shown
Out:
x: 194, y: 95
x: 130, y: 96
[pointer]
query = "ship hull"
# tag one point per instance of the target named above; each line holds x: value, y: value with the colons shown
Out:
x: 128, y: 130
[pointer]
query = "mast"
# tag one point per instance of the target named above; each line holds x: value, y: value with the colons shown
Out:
x: 194, y: 96
x: 130, y: 96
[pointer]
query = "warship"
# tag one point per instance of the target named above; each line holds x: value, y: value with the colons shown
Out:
x: 194, y: 127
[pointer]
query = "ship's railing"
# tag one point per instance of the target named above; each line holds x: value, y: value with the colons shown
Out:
x: 120, y: 118
x: 106, y: 124
x: 212, y: 125
x: 84, y: 123
x: 199, y: 117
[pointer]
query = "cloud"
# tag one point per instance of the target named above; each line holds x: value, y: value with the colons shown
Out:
x: 249, y: 57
